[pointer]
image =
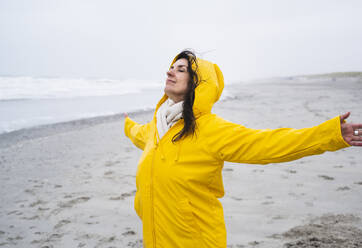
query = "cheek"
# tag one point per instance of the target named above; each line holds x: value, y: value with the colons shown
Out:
x: 183, y: 86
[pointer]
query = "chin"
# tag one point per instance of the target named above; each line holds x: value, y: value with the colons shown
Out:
x: 167, y: 91
x: 167, y: 94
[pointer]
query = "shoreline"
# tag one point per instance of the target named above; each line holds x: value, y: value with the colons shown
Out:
x: 51, y: 129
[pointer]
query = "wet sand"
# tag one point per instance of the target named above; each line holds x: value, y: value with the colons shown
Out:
x: 72, y: 184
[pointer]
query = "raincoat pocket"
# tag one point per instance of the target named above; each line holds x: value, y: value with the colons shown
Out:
x: 138, y: 204
x: 189, y: 218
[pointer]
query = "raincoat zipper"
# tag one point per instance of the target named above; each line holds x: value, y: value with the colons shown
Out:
x: 151, y: 193
x: 152, y: 208
x: 157, y: 144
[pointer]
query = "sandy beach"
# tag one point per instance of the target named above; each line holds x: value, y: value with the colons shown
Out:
x: 72, y: 184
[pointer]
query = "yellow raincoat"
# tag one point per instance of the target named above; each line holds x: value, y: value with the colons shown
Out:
x: 178, y: 184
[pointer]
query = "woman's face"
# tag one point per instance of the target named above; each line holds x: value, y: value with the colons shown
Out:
x: 177, y: 80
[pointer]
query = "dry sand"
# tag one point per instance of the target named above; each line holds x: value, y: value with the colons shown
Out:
x: 72, y: 185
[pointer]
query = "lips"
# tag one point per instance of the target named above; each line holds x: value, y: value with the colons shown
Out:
x: 170, y: 81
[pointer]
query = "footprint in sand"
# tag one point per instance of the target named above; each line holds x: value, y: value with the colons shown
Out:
x: 30, y: 191
x: 111, y: 163
x: 338, y: 166
x: 61, y: 223
x: 291, y: 171
x: 108, y: 173
x: 278, y: 217
x: 38, y: 202
x: 325, y: 177
x: 236, y: 198
x: 135, y: 244
x: 38, y: 186
x: 254, y: 243
x: 344, y: 188
x: 228, y: 169
x: 236, y: 246
x: 12, y: 212
x: 267, y: 202
x: 73, y: 202
x: 106, y: 240
x: 13, y: 239
x: 51, y: 238
x: 116, y: 198
x: 129, y: 233
x: 123, y: 196
x: 92, y: 223
x: 358, y: 183
x: 35, y: 217
x: 55, y: 236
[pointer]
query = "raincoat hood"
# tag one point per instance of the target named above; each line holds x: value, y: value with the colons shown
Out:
x: 211, y: 85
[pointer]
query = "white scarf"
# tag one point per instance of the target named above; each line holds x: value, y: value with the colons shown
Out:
x: 167, y: 115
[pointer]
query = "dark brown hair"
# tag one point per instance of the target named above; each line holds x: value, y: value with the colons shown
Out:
x: 189, y: 98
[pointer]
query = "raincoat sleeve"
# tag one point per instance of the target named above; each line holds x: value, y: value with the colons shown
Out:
x: 137, y: 133
x: 228, y: 141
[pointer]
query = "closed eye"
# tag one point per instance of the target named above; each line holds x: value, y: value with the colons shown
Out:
x: 180, y: 66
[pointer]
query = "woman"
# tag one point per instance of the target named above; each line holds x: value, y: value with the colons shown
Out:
x: 179, y: 177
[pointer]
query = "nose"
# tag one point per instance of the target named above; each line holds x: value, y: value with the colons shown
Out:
x: 170, y: 73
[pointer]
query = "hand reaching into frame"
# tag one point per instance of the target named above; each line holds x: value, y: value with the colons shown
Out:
x: 352, y: 133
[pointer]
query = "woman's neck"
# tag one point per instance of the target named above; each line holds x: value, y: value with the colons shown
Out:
x: 176, y: 99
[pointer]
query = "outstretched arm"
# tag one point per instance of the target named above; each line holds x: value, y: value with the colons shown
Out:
x: 232, y: 142
x: 352, y: 133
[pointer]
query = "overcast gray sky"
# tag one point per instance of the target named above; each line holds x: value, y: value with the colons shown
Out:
x: 138, y: 39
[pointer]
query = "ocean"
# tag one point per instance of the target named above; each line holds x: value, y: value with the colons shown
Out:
x: 27, y: 102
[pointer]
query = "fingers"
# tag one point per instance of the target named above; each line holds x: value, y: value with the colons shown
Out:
x: 344, y: 116
x: 356, y: 143
x: 356, y: 138
x: 125, y: 115
x: 357, y: 126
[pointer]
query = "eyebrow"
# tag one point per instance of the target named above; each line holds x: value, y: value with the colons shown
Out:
x: 181, y: 66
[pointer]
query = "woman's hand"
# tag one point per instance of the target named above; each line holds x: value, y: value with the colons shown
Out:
x: 125, y: 115
x: 352, y: 133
